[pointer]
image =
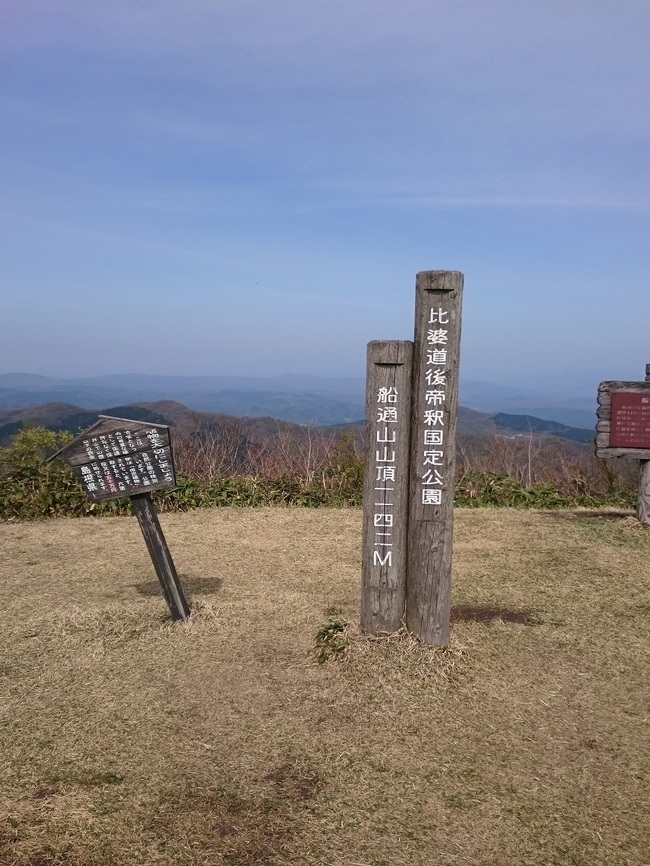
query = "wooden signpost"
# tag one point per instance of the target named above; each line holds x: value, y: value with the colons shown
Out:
x: 409, y: 470
x: 118, y: 457
x: 433, y: 454
x: 386, y: 484
x: 623, y: 430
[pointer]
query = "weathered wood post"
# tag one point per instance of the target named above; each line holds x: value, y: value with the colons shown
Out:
x: 433, y: 440
x: 385, y: 490
x: 643, y: 498
x: 160, y: 556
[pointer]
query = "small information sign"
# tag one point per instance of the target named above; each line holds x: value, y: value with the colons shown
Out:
x: 623, y: 428
x: 630, y: 422
x: 117, y: 457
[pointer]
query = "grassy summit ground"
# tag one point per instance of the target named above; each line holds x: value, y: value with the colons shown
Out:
x: 125, y: 739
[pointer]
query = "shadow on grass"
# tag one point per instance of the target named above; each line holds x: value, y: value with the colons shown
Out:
x: 193, y: 584
x: 592, y: 515
x: 487, y: 615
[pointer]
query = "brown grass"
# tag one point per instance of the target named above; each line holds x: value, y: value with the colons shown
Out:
x: 125, y: 739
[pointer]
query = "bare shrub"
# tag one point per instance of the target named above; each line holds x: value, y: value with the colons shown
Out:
x: 571, y: 468
x: 214, y: 450
x: 301, y: 453
x: 226, y: 448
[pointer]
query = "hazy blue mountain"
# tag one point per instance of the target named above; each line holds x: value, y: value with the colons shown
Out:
x: 63, y: 416
x: 301, y: 399
x: 27, y: 381
x: 293, y: 397
x: 527, y: 424
x: 576, y: 411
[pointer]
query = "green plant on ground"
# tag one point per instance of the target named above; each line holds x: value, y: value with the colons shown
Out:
x: 331, y: 640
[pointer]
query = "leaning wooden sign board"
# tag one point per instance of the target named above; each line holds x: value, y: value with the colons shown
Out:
x: 118, y: 457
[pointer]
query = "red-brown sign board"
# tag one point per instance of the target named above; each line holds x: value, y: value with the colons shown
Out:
x: 623, y: 420
x: 630, y: 420
x: 118, y: 457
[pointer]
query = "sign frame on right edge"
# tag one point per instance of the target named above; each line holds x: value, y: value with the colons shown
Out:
x: 623, y: 428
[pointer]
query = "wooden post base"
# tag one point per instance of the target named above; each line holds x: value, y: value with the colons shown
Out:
x: 160, y: 555
x: 643, y: 500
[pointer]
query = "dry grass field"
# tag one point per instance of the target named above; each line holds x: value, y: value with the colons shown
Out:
x: 125, y: 739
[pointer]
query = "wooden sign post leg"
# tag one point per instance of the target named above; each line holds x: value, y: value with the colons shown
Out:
x: 643, y: 499
x: 160, y: 555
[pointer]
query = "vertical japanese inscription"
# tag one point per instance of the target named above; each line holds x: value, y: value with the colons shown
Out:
x: 433, y: 435
x: 385, y: 494
x: 118, y: 457
x: 122, y: 462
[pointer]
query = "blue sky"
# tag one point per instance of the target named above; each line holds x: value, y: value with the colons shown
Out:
x: 248, y: 187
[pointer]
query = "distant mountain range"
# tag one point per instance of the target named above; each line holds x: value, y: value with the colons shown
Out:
x: 300, y: 399
x: 65, y: 416
x: 488, y: 397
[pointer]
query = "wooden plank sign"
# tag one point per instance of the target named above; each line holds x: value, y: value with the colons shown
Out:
x: 385, y: 490
x: 623, y: 428
x: 438, y: 300
x: 118, y: 457
x: 407, y: 525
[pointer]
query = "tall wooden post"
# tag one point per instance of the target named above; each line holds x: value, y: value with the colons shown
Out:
x: 433, y: 440
x: 385, y: 491
x: 643, y: 497
x: 160, y: 555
